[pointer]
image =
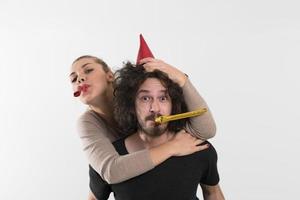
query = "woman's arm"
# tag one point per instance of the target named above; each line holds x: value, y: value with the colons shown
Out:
x: 114, y: 168
x: 203, y: 126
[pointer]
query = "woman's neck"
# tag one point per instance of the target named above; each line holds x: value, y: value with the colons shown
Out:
x: 104, y: 105
x: 104, y: 110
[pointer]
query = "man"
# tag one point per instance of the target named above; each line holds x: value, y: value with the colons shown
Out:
x: 140, y: 97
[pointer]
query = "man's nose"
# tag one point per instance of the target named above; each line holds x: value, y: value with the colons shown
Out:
x: 154, y: 107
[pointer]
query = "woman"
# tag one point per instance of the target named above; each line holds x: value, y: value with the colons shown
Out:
x: 97, y: 128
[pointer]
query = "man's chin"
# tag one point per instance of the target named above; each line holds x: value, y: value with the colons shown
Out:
x: 154, y: 131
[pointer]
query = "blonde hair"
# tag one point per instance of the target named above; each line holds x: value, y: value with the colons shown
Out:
x: 105, y: 67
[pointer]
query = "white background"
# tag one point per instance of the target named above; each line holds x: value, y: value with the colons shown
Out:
x: 243, y: 56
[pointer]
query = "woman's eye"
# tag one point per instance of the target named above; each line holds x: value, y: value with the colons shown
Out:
x: 88, y: 71
x: 74, y: 79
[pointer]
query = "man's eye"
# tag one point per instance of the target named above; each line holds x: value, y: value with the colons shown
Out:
x: 163, y: 98
x: 145, y: 98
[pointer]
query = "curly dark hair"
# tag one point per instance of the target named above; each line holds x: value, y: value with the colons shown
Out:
x: 128, y: 81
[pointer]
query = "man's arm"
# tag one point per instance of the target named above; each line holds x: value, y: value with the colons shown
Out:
x: 210, y: 180
x: 99, y: 188
x: 212, y: 192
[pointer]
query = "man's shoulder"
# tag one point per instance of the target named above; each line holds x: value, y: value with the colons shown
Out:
x: 209, y: 153
x: 211, y: 148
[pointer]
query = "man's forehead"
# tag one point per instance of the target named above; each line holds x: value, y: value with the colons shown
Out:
x: 152, y: 85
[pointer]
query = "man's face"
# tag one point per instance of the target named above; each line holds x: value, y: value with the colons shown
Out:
x: 152, y: 100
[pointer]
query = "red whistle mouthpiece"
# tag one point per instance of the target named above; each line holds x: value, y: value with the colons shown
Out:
x: 78, y: 92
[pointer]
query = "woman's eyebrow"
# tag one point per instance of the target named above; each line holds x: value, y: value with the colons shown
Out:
x: 83, y: 66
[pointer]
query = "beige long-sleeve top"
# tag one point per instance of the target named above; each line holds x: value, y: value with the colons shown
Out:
x: 97, y: 137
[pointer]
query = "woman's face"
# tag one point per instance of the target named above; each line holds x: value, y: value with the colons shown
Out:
x: 90, y: 75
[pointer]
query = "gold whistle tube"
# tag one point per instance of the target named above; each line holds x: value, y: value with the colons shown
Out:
x: 164, y: 119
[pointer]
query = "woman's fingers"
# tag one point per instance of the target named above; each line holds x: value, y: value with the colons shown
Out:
x: 151, y: 64
x: 146, y: 60
x: 202, y: 147
x: 198, y: 141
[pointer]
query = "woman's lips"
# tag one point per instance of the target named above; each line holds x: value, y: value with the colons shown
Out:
x: 82, y: 88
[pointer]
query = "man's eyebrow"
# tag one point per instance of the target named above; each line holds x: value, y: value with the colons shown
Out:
x: 83, y: 66
x: 166, y: 92
x: 141, y: 91
x: 148, y: 91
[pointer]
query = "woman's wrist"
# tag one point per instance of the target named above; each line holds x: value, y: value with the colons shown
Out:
x: 161, y: 153
x: 171, y: 147
x: 182, y: 78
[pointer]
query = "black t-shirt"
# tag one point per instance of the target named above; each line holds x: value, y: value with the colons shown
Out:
x: 177, y: 178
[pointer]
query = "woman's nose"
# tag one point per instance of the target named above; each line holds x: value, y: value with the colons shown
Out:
x: 81, y: 79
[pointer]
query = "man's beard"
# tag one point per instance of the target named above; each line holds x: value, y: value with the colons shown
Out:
x: 153, y: 131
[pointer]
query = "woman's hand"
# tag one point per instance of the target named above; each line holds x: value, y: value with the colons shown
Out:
x: 184, y: 144
x: 151, y: 64
x: 181, y: 144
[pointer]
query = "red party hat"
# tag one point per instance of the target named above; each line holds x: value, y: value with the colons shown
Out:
x: 144, y: 51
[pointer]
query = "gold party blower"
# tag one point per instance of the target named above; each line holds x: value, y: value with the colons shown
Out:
x: 164, y: 119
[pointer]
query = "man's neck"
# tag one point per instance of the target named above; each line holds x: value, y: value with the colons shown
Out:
x: 150, y: 141
x: 140, y: 141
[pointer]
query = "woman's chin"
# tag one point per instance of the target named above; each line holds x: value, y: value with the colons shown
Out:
x: 86, y: 99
